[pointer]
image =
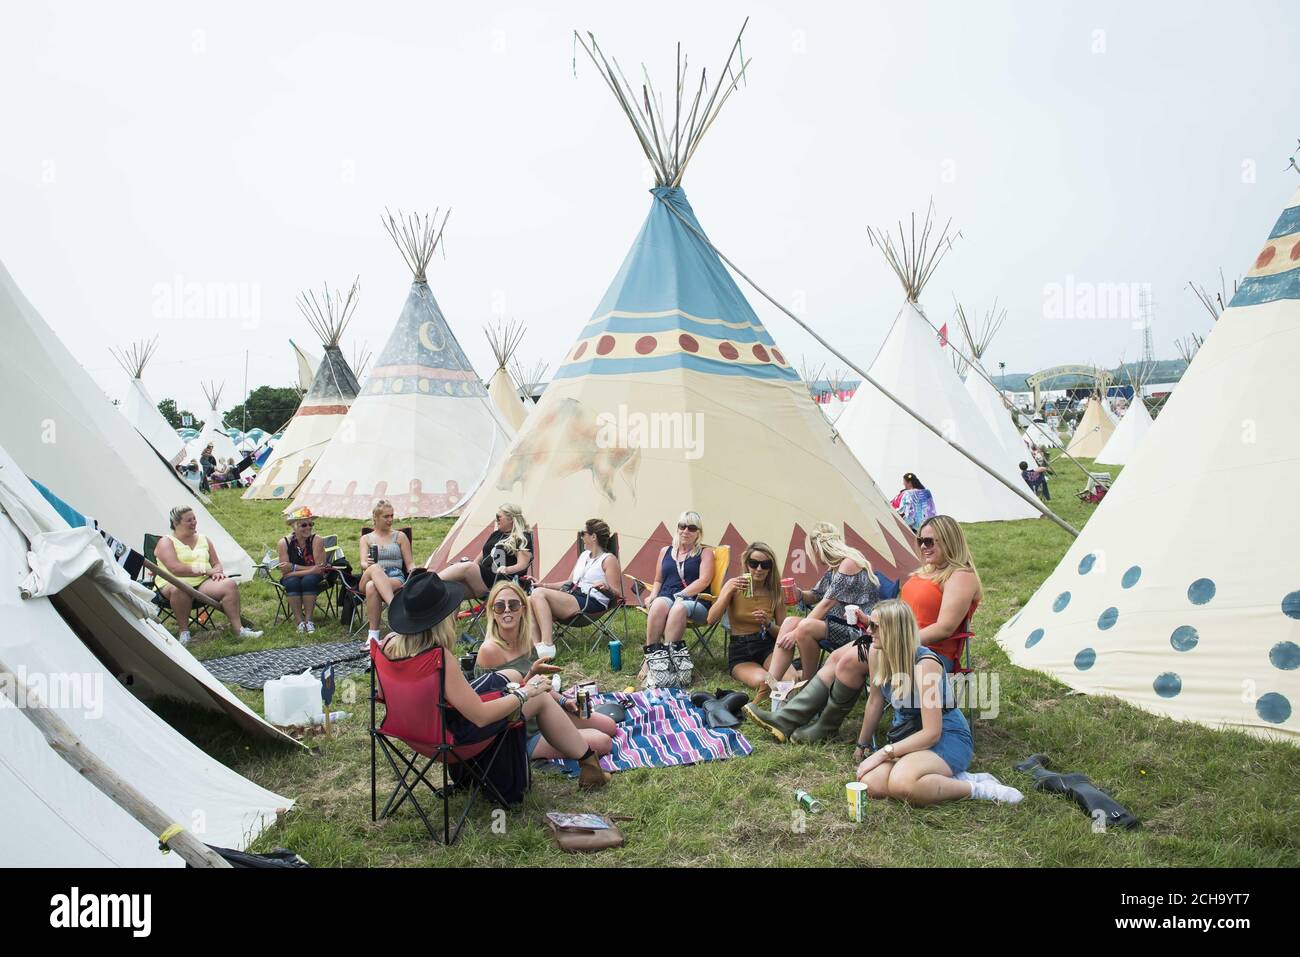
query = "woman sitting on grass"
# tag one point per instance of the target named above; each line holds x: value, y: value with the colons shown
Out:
x: 930, y: 742
x: 383, y: 572
x: 422, y: 618
x: 596, y: 577
x: 508, y: 650
x: 753, y: 609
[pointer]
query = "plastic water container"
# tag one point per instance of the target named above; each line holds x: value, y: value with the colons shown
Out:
x: 293, y: 699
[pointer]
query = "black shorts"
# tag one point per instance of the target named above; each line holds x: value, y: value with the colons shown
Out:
x: 752, y: 649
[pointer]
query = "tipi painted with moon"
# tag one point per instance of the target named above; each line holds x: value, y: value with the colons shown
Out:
x: 1176, y: 598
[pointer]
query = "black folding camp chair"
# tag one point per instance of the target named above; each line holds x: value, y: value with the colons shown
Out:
x: 200, y: 614
x: 599, y: 620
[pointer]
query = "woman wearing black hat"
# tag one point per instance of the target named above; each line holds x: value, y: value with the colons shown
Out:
x: 421, y: 616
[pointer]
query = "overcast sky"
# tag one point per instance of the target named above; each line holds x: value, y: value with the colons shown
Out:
x: 155, y: 144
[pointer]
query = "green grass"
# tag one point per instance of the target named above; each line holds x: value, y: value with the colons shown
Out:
x: 1205, y: 798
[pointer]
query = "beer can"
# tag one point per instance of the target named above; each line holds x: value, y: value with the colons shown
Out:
x: 584, y: 704
x: 808, y: 802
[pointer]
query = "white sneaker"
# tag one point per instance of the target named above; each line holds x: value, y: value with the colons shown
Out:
x: 249, y: 633
x: 993, y: 791
x: 311, y: 627
x: 302, y: 626
x: 184, y: 637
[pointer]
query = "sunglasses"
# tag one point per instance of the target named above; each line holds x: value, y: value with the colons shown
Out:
x: 306, y: 524
x: 688, y: 528
x: 755, y: 563
x: 870, y: 625
x: 510, y: 604
x: 926, y: 542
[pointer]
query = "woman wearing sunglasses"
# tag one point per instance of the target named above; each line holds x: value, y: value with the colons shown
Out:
x: 753, y: 609
x: 508, y: 650
x: 506, y: 554
x: 930, y: 744
x: 302, y: 567
x: 685, y: 569
x: 596, y: 577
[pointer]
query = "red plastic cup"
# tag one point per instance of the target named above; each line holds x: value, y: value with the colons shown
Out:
x: 788, y: 591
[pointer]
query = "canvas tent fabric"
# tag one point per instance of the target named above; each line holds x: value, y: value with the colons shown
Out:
x: 307, y: 364
x: 1165, y: 600
x: 505, y: 398
x: 889, y: 442
x: 675, y: 397
x: 314, y: 425
x: 1093, y: 431
x: 423, y: 432
x: 142, y: 413
x: 1128, y: 435
x: 51, y: 816
x: 988, y: 402
x: 67, y: 435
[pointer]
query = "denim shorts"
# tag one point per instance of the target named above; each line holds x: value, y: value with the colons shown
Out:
x: 589, y: 604
x: 396, y: 574
x: 302, y: 584
x: 696, y: 610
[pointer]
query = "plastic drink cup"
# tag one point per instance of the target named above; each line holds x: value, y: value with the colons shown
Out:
x: 856, y: 792
x: 749, y: 585
x: 851, y: 615
x: 545, y: 651
x: 788, y: 594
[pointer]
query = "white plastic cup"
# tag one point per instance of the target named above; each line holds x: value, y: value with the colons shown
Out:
x: 545, y: 651
x: 856, y: 793
x: 851, y: 615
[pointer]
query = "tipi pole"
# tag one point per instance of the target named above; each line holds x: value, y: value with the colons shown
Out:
x: 70, y: 748
x: 1032, y: 500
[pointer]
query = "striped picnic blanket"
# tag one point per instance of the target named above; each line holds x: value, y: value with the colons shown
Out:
x: 664, y: 730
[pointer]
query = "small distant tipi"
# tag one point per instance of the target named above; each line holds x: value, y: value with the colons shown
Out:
x: 139, y: 407
x: 985, y: 396
x: 323, y: 408
x: 214, y: 430
x: 504, y: 340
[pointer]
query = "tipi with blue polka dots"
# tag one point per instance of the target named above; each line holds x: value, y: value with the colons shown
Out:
x: 1182, y: 594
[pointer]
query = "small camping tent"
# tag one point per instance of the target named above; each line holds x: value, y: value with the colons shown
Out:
x: 139, y: 407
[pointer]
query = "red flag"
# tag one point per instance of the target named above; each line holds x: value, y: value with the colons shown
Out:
x: 943, y: 335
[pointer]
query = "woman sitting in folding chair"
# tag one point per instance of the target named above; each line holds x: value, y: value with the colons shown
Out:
x: 192, y: 559
x: 507, y: 553
x: 385, y: 560
x: 930, y: 744
x: 683, y: 571
x: 754, y: 609
x: 596, y: 578
x: 302, y: 567
x: 508, y: 650
x: 421, y: 616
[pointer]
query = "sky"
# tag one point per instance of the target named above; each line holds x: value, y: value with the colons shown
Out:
x: 1092, y: 156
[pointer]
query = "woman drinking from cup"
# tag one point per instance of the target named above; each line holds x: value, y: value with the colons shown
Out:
x: 752, y: 608
x: 508, y: 650
x: 385, y: 559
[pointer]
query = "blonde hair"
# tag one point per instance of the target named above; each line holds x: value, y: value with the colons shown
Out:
x: 178, y: 513
x: 380, y: 505
x: 770, y: 585
x: 690, y: 518
x: 442, y: 635
x: 515, y: 540
x: 896, y: 642
x: 949, y: 534
x: 525, y: 618
x: 829, y: 548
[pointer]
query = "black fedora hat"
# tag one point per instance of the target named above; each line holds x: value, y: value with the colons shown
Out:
x: 424, y: 601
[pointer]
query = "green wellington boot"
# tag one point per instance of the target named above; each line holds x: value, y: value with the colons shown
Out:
x: 837, y: 708
x: 794, y: 714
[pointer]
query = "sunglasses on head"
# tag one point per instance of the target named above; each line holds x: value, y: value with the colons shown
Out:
x: 756, y: 563
x: 926, y: 542
x: 688, y: 528
x: 509, y: 604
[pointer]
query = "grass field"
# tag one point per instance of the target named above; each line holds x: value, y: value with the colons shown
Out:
x: 1205, y: 798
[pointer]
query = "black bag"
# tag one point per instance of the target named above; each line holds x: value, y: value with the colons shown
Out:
x: 348, y: 601
x: 910, y: 724
x: 510, y: 777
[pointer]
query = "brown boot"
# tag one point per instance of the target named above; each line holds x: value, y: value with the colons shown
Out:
x: 591, y: 776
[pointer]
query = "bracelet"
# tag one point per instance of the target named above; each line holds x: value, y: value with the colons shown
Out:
x: 865, y: 747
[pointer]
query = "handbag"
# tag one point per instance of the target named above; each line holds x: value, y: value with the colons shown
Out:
x: 584, y: 833
x: 910, y: 724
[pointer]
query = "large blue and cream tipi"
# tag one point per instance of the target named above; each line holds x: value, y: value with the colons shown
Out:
x: 675, y: 397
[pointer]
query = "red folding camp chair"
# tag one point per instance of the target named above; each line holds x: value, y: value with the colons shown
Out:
x: 413, y: 692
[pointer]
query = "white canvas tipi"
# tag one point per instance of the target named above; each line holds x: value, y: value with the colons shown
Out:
x: 1166, y: 599
x: 323, y: 408
x: 139, y: 407
x: 306, y: 364
x: 676, y: 397
x: 912, y: 366
x: 984, y: 395
x: 423, y: 432
x: 214, y: 431
x: 60, y: 646
x: 1093, y: 431
x: 66, y: 435
x: 1128, y: 435
x: 504, y: 340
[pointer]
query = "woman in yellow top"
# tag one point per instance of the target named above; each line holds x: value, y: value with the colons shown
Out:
x: 193, y: 559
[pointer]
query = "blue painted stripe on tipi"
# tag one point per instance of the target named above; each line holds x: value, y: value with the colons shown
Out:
x: 1256, y: 289
x: 674, y: 360
x: 651, y: 324
x: 66, y: 511
x: 1287, y: 223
